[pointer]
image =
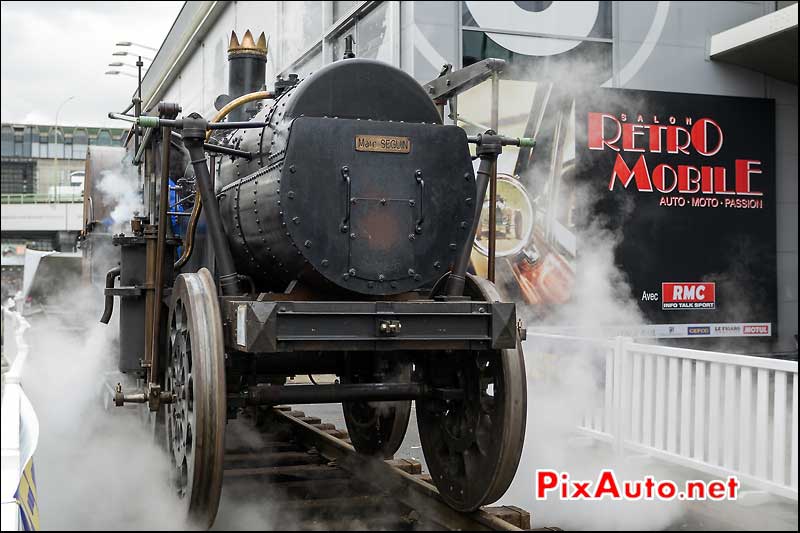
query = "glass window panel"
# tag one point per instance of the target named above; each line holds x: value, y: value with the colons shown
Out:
x: 56, y: 148
x: 80, y: 140
x: 340, y: 8
x: 104, y: 138
x: 18, y: 135
x: 302, y: 26
x: 372, y: 39
x: 27, y: 142
x: 7, y: 141
x: 43, y: 144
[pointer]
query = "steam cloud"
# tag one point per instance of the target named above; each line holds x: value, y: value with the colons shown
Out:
x: 120, y: 189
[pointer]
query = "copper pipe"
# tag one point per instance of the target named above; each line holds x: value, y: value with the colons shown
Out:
x: 198, y: 203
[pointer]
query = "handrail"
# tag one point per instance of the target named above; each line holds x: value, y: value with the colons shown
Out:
x: 718, y: 413
x: 42, y: 198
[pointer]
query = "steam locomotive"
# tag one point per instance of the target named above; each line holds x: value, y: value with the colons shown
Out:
x: 321, y: 227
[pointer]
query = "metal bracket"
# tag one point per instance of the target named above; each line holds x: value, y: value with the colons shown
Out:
x: 390, y: 328
x: 123, y: 292
x: 453, y: 83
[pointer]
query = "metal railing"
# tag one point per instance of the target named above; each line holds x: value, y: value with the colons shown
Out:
x: 42, y: 198
x: 20, y: 433
x: 719, y: 413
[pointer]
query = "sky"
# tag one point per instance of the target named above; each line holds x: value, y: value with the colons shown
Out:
x: 51, y: 51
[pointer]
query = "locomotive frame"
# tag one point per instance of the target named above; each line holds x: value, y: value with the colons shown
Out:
x: 201, y: 340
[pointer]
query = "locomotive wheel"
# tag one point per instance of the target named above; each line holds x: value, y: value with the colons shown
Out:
x: 195, y: 373
x: 378, y: 428
x: 472, y: 445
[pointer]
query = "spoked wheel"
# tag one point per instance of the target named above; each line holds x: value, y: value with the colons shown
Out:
x: 378, y: 428
x: 195, y: 374
x: 472, y: 445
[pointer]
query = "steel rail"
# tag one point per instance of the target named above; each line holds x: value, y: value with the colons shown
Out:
x: 407, y: 489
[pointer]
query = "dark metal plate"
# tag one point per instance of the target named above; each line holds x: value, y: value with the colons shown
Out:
x: 377, y: 222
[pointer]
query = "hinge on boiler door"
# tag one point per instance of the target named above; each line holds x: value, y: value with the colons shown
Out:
x: 389, y: 328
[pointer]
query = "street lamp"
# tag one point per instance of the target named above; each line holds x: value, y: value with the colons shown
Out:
x: 121, y: 64
x: 128, y: 43
x: 124, y: 53
x: 119, y: 72
x: 55, y: 134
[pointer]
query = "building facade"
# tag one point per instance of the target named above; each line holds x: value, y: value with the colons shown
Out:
x: 38, y: 157
x: 721, y: 49
x: 42, y: 172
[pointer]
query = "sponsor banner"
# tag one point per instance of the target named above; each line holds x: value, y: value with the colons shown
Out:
x: 685, y: 183
x: 668, y: 331
x: 698, y: 330
x: 688, y: 182
x: 758, y: 330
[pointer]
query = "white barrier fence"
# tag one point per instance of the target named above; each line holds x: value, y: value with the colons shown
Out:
x: 723, y: 414
x: 19, y: 435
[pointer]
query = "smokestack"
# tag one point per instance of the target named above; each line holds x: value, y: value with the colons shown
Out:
x: 247, y: 66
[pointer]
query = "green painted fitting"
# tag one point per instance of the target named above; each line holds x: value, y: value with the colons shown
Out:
x: 526, y: 142
x: 148, y: 122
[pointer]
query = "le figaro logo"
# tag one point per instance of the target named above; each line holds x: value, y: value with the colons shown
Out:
x: 688, y: 295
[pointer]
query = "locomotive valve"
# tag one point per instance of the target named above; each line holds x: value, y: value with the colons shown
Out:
x: 153, y: 396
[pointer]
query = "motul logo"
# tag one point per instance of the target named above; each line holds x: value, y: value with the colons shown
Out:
x: 756, y: 330
x: 688, y: 296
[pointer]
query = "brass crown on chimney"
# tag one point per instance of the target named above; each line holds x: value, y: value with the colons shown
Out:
x: 248, y: 44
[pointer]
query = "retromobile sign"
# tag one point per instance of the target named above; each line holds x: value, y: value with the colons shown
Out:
x: 688, y: 183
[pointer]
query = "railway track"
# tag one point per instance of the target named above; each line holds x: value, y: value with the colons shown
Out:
x: 315, y: 480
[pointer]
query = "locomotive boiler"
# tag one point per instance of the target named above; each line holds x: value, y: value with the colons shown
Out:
x: 321, y: 227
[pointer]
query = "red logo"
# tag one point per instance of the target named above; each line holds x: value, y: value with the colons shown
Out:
x: 762, y: 329
x: 688, y: 295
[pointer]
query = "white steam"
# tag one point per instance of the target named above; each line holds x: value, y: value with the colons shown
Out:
x: 565, y: 382
x: 120, y: 189
x: 95, y: 468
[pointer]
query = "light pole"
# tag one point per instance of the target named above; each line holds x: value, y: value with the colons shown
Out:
x: 58, y: 111
x: 121, y: 64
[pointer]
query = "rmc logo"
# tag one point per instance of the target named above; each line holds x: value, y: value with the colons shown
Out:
x: 688, y: 295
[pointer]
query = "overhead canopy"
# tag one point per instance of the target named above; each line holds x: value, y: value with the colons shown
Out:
x: 767, y: 44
